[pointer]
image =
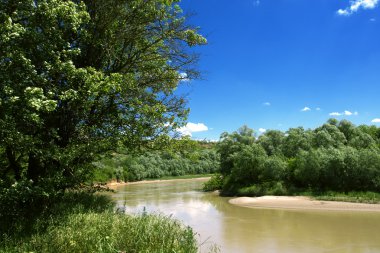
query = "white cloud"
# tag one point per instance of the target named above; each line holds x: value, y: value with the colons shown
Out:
x: 262, y: 130
x: 317, y: 109
x: 377, y: 120
x: 343, y: 12
x: 355, y: 5
x: 335, y: 114
x: 346, y: 113
x: 267, y: 104
x: 305, y: 109
x: 191, y: 128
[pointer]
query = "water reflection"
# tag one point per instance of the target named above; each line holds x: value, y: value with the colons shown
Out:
x: 239, y: 229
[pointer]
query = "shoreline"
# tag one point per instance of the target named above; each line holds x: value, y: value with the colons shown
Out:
x: 116, y: 184
x: 301, y: 203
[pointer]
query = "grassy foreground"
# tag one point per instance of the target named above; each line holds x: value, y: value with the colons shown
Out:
x: 87, y: 223
x: 109, y: 232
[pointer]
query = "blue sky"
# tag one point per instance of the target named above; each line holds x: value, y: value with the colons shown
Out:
x: 276, y: 64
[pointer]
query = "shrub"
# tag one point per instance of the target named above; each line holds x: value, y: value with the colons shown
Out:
x: 215, y: 183
x: 253, y: 190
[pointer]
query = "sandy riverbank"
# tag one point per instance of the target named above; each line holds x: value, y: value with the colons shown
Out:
x: 116, y: 184
x: 301, y: 203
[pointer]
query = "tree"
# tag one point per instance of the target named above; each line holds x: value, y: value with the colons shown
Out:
x: 297, y: 139
x: 80, y: 77
x: 328, y: 135
x: 347, y: 128
x: 230, y: 144
x: 373, y: 131
x: 336, y: 156
x: 248, y: 164
x: 272, y: 141
x: 362, y: 140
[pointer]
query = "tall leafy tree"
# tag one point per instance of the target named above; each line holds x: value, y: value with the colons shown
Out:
x: 328, y: 135
x: 230, y: 144
x: 272, y: 141
x: 297, y: 139
x: 79, y: 77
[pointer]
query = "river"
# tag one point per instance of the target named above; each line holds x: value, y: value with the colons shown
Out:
x: 239, y: 229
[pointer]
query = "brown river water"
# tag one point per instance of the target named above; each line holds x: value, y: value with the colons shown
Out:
x: 239, y: 229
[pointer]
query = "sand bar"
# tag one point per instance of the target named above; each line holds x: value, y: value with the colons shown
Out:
x: 301, y: 203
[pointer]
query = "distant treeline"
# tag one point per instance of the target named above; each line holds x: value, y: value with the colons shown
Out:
x: 183, y: 157
x: 337, y: 156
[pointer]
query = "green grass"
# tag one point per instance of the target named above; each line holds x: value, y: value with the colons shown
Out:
x: 356, y: 197
x: 110, y: 232
x: 83, y: 222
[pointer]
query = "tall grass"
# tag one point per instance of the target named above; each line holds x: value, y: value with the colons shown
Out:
x: 110, y: 232
x: 82, y: 222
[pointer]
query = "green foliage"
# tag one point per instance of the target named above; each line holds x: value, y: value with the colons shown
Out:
x: 253, y: 191
x: 248, y: 164
x: 337, y: 156
x: 81, y: 77
x: 267, y: 188
x: 272, y: 141
x: 297, y: 139
x: 25, y: 209
x: 215, y: 183
x: 344, y: 169
x: 273, y: 169
x: 83, y: 222
x: 358, y: 197
x: 156, y: 164
x: 232, y: 143
x: 78, y: 80
x: 19, y: 205
x: 328, y: 136
x: 110, y: 232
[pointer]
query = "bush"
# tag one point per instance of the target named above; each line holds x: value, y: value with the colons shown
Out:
x: 215, y: 183
x: 20, y: 204
x: 252, y: 191
x: 277, y: 189
x: 25, y: 208
x: 269, y: 188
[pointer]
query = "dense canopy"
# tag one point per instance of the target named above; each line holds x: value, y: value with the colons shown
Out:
x: 337, y: 156
x: 80, y: 77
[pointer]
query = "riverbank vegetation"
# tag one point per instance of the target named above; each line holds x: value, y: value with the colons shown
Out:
x: 83, y: 222
x: 181, y: 157
x: 336, y: 161
x: 81, y: 79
